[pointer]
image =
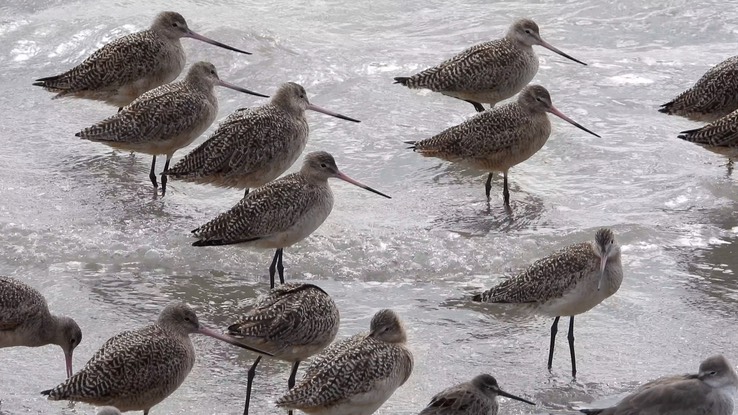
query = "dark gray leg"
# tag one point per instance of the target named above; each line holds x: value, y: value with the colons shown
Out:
x: 477, y: 106
x: 291, y: 380
x: 280, y: 267
x: 120, y: 109
x: 273, y: 269
x: 152, y: 175
x: 164, y: 177
x: 488, y: 185
x: 249, y: 382
x: 505, y: 190
x: 246, y: 193
x: 554, y: 329
x: 571, y: 348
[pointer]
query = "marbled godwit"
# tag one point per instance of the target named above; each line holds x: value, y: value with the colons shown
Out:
x: 125, y: 68
x: 720, y: 137
x: 565, y: 283
x: 135, y: 370
x: 708, y: 392
x: 108, y: 410
x: 714, y: 96
x: 164, y: 119
x: 357, y: 375
x: 498, y: 139
x: 25, y: 320
x: 253, y: 146
x: 489, y: 72
x: 292, y: 322
x: 280, y: 213
x: 478, y: 397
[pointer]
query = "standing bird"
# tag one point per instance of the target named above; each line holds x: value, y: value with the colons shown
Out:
x: 292, y: 322
x: 498, y: 139
x: 164, y: 119
x: 478, y: 397
x: 253, y: 146
x: 357, y: 375
x: 489, y: 72
x: 25, y: 320
x: 125, y: 68
x: 280, y: 213
x: 710, y: 391
x: 719, y: 136
x: 135, y: 370
x: 714, y: 96
x: 566, y: 283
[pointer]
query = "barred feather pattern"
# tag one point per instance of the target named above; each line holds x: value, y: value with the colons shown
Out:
x: 252, y: 147
x: 293, y: 322
x: 502, y: 64
x: 133, y: 370
x: 494, y: 140
x: 275, y: 215
x: 356, y: 375
x: 721, y: 133
x: 162, y: 120
x: 715, y: 95
x: 462, y: 399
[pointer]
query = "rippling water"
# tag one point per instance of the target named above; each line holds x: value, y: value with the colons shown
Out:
x: 79, y: 221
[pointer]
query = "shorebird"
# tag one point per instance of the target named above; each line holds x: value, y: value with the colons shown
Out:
x: 357, y: 375
x: 714, y: 96
x: 478, y: 397
x: 125, y: 68
x: 135, y: 370
x: 710, y: 391
x: 25, y: 320
x: 488, y: 72
x: 108, y: 410
x: 498, y: 139
x: 720, y: 137
x: 566, y: 283
x: 292, y: 322
x: 280, y: 213
x: 164, y: 119
x: 253, y: 146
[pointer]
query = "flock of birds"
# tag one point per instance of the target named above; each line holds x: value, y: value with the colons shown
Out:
x: 136, y: 370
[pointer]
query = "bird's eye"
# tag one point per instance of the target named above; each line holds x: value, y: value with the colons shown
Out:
x: 527, y: 31
x: 323, y: 165
x: 174, y: 24
x: 73, y: 342
x: 188, y: 319
x: 713, y: 373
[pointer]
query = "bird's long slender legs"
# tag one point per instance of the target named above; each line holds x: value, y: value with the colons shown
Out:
x: 246, y: 192
x: 505, y: 190
x: 273, y: 268
x: 477, y: 106
x: 571, y: 348
x: 249, y: 382
x: 152, y: 175
x: 488, y: 185
x: 120, y: 109
x: 291, y: 380
x: 554, y: 329
x: 280, y: 267
x: 164, y: 176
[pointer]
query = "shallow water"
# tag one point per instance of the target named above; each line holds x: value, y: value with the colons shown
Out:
x: 80, y: 222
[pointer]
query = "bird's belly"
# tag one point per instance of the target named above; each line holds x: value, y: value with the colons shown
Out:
x: 167, y: 71
x: 13, y: 338
x: 305, y: 226
x: 283, y: 161
x: 582, y: 298
x: 730, y: 152
x: 168, y: 145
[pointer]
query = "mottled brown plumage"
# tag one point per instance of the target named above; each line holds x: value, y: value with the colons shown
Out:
x: 357, y: 375
x: 489, y: 72
x: 280, y: 213
x: 709, y: 392
x: 253, y: 146
x: 293, y: 322
x: 568, y: 282
x: 135, y: 370
x: 719, y: 136
x: 498, y: 139
x: 165, y: 119
x: 25, y: 320
x: 125, y: 68
x: 714, y: 96
x: 477, y: 397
